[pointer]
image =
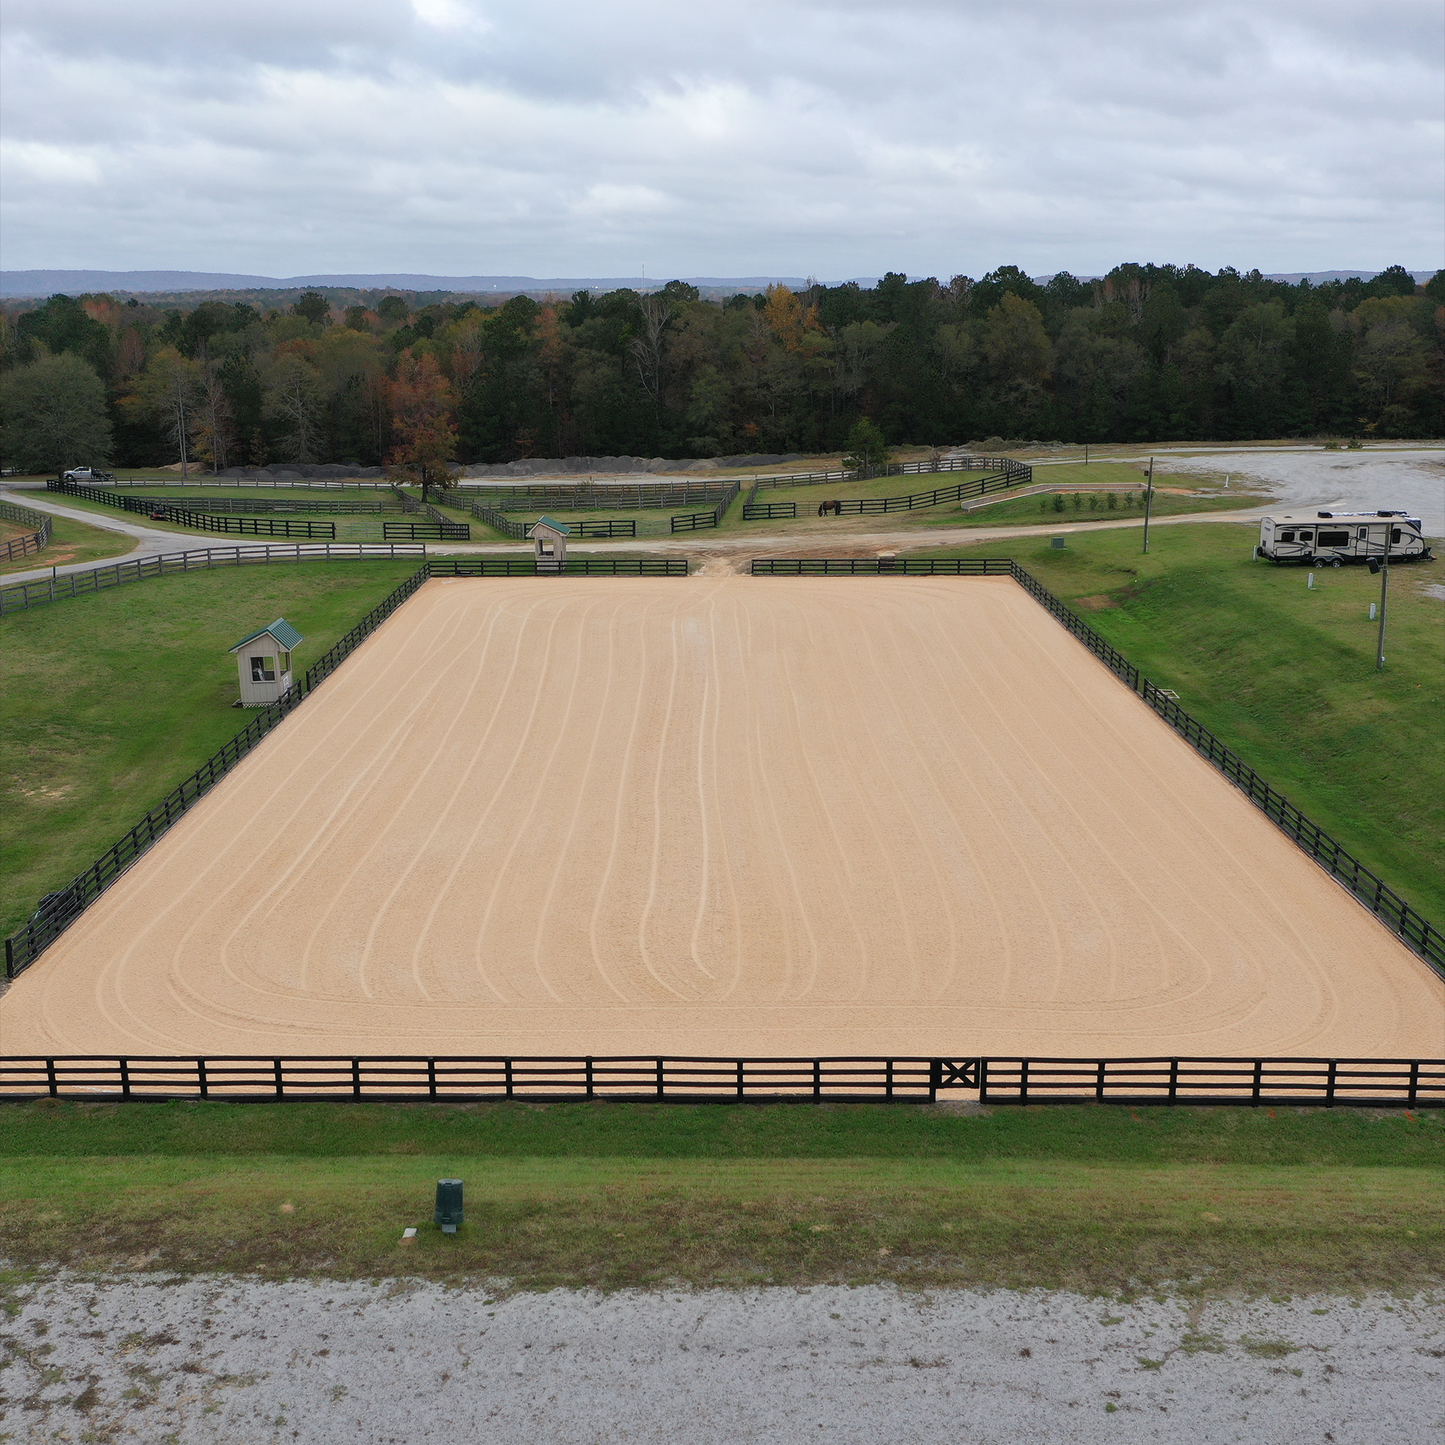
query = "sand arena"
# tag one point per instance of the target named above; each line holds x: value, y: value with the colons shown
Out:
x: 725, y: 816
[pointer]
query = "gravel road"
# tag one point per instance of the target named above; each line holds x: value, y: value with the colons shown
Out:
x: 227, y: 1361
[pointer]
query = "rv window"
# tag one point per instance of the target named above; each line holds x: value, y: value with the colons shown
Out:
x: 1394, y: 535
x: 1306, y: 536
x: 1362, y: 534
x: 1286, y: 536
x: 1334, y: 539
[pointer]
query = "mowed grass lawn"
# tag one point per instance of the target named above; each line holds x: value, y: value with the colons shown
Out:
x: 108, y: 701
x: 1285, y: 675
x: 616, y: 1195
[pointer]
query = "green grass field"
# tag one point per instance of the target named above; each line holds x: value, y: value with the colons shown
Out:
x: 1043, y: 510
x: 621, y: 1195
x: 108, y: 701
x: 1285, y: 675
x: 69, y: 542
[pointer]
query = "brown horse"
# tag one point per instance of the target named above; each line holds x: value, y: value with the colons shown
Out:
x: 835, y: 507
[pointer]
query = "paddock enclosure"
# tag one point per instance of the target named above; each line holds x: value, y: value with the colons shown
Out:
x: 745, y: 816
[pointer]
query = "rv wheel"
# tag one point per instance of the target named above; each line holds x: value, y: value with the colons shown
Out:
x: 1336, y: 563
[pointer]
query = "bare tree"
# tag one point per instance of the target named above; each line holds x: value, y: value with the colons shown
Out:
x: 649, y: 344
x: 293, y: 397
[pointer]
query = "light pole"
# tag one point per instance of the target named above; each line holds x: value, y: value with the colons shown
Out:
x: 1148, y: 503
x: 1383, y: 568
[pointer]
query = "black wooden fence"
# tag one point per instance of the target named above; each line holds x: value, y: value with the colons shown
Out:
x: 197, y: 521
x: 23, y: 595
x: 1406, y: 922
x: 31, y: 542
x: 1018, y: 472
x: 1373, y: 1083
x: 574, y: 567
x: 588, y: 527
x: 428, y: 531
x: 882, y: 566
x: 590, y: 497
x: 697, y: 521
x: 331, y: 507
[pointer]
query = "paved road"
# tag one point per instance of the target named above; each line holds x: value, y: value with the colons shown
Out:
x: 220, y: 1360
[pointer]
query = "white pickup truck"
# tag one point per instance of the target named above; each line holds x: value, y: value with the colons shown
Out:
x: 93, y: 475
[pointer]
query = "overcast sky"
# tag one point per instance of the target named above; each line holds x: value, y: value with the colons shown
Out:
x: 564, y: 138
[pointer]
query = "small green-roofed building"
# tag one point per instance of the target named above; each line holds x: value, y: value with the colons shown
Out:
x: 550, y: 537
x: 264, y: 662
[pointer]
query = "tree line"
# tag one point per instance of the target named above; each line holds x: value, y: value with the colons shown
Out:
x: 1148, y: 353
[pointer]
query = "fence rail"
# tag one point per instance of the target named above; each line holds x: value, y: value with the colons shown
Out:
x: 257, y: 505
x: 442, y: 531
x: 31, y: 542
x: 697, y: 521
x: 582, y: 497
x: 198, y: 521
x: 574, y: 567
x: 1411, y: 927
x: 316, y: 484
x: 882, y: 566
x: 755, y: 511
x: 1019, y: 472
x: 1375, y: 1083
x: 22, y: 595
x: 588, y: 527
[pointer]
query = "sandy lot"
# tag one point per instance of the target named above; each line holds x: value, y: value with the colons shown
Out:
x: 393, y: 1363
x: 725, y: 815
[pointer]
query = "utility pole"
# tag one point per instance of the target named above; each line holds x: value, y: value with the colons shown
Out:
x: 1148, y: 503
x: 1384, y: 588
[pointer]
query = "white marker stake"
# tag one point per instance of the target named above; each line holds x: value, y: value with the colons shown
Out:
x: 1372, y: 612
x: 1311, y: 582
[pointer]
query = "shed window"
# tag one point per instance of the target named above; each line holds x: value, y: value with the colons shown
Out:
x: 285, y: 662
x: 263, y: 669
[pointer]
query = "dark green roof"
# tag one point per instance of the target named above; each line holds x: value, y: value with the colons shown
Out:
x: 286, y: 635
x: 561, y: 527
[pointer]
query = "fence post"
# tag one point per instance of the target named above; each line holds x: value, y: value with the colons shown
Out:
x: 590, y: 1091
x: 1258, y: 1075
x: 280, y: 1080
x: 660, y: 1082
x: 888, y: 1079
x: 1173, y: 1080
x: 1023, y: 1081
x: 1330, y: 1086
x: 1099, y: 1084
x: 507, y: 1075
x: 983, y: 1081
x: 356, y: 1078
x: 54, y: 1082
x: 1414, y: 1081
x: 124, y: 1077
x: 431, y: 1078
x: 817, y: 1080
x: 202, y: 1083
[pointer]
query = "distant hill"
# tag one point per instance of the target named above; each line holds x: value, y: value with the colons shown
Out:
x: 197, y: 284
x: 145, y: 283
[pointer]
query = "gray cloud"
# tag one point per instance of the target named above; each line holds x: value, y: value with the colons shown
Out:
x: 461, y: 136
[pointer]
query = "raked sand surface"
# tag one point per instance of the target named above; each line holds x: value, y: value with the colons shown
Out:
x: 726, y: 815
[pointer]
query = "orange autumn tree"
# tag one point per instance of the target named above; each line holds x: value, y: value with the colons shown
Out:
x: 421, y: 421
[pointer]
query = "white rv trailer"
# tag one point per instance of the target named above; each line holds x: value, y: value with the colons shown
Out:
x: 1333, y: 538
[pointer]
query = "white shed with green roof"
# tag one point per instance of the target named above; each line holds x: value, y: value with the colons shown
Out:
x: 264, y: 661
x: 550, y: 537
